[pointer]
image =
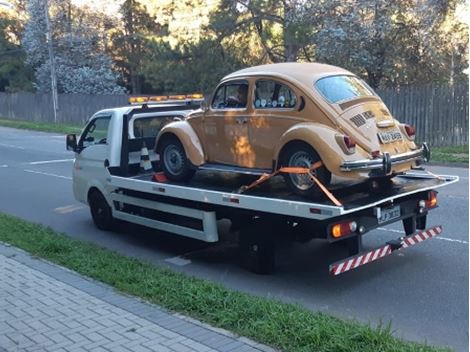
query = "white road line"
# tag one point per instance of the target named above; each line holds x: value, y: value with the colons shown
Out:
x: 68, y: 208
x: 179, y: 261
x: 3, y: 165
x: 47, y: 174
x: 11, y: 146
x: 49, y: 161
x: 437, y: 238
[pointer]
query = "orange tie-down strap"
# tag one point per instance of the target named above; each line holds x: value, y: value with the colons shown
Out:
x: 295, y: 170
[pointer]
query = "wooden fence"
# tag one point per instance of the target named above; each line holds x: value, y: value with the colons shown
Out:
x: 440, y: 114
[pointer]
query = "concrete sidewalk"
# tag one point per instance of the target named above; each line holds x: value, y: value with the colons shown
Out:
x: 44, y: 307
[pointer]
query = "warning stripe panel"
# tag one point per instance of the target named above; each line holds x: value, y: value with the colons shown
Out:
x: 378, y: 253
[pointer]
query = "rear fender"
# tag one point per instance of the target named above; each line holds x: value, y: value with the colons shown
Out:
x: 188, y: 138
x: 322, y: 139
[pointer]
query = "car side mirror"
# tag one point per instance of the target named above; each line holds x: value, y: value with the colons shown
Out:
x: 71, y: 142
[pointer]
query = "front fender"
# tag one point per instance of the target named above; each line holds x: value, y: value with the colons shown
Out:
x: 188, y: 138
x: 322, y: 139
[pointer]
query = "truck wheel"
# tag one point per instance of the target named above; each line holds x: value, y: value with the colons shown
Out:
x: 174, y: 162
x: 302, y: 155
x: 100, y: 211
x: 257, y: 247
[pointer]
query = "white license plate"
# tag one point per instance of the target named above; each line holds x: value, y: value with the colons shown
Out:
x: 388, y: 214
x: 389, y: 136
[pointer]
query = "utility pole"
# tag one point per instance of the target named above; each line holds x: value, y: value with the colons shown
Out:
x: 55, y: 100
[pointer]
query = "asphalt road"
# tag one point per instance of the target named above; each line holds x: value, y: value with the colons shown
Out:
x: 422, y: 291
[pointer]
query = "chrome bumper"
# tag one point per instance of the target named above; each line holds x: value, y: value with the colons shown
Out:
x: 387, y: 161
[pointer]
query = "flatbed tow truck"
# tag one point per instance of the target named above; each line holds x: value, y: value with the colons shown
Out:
x: 107, y: 176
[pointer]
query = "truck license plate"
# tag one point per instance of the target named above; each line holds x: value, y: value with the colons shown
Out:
x: 388, y: 214
x: 389, y: 136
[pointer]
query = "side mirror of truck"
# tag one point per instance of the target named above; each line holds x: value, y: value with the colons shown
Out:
x: 71, y: 142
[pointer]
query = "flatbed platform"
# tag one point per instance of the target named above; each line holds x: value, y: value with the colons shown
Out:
x: 274, y: 197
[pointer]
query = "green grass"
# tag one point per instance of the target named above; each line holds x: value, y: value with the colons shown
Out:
x: 41, y: 126
x: 450, y: 154
x: 285, y: 326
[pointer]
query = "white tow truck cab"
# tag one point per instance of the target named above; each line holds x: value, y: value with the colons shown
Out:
x: 107, y: 176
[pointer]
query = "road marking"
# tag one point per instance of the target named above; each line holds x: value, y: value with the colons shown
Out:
x: 10, y: 146
x: 180, y: 261
x: 442, y: 238
x: 68, y: 208
x: 3, y: 165
x: 47, y: 174
x: 49, y: 161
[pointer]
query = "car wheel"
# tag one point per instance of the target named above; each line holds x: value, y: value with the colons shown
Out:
x: 100, y: 211
x: 302, y: 155
x: 174, y: 162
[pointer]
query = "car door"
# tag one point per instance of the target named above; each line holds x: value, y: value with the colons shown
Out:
x: 89, y: 164
x: 226, y: 126
x: 274, y: 113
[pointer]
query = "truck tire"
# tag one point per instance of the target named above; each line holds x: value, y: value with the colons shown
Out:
x: 303, y: 155
x: 174, y: 162
x: 100, y: 211
x: 257, y: 247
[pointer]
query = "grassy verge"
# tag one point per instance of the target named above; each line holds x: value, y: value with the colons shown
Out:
x: 285, y: 326
x: 450, y: 154
x: 41, y: 126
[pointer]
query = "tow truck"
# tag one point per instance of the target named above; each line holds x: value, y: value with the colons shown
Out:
x: 108, y: 177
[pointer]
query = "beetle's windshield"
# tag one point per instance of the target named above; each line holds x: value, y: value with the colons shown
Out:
x: 338, y: 88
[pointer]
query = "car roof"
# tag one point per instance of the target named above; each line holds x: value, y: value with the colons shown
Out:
x: 303, y: 72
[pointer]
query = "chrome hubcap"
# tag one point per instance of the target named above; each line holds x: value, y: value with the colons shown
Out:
x: 173, y: 159
x: 302, y: 159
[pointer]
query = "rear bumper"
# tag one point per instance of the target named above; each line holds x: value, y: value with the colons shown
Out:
x: 387, y: 161
x: 401, y: 243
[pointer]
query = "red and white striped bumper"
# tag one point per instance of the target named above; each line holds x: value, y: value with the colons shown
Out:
x: 378, y: 253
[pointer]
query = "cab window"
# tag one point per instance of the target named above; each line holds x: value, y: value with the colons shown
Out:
x: 96, y: 132
x: 231, y: 95
x: 273, y: 95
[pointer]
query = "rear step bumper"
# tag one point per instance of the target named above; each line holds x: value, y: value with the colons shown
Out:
x: 356, y: 261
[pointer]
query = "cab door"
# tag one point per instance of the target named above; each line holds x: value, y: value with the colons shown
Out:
x: 89, y: 165
x: 226, y: 126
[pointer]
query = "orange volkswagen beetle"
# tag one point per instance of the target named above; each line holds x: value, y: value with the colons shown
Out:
x: 291, y: 114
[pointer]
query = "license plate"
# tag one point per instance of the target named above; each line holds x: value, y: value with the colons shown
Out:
x: 388, y: 214
x: 389, y: 136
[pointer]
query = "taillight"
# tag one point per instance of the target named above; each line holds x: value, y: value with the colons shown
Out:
x: 429, y: 203
x: 349, y: 142
x: 343, y: 229
x: 375, y: 154
x: 410, y: 131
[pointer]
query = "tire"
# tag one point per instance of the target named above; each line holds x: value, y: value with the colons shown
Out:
x: 174, y: 162
x: 257, y: 247
x: 100, y: 211
x: 302, y: 155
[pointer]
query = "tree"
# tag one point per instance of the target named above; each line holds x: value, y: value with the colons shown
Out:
x: 14, y: 75
x: 130, y: 42
x: 82, y: 65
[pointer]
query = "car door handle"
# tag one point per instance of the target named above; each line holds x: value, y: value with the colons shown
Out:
x: 242, y: 120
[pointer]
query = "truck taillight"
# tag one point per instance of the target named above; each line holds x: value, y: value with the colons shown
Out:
x: 343, y: 229
x: 410, y: 131
x: 429, y: 203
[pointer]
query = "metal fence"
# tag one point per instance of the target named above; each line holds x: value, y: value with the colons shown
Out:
x: 440, y: 114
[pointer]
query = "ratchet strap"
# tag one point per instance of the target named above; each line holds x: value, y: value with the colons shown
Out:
x: 294, y: 170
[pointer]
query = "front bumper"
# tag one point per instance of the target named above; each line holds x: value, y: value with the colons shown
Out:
x: 387, y: 161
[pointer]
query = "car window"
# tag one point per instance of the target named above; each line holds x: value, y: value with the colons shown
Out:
x: 146, y: 127
x: 231, y: 95
x: 338, y: 88
x: 271, y: 94
x: 96, y: 132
